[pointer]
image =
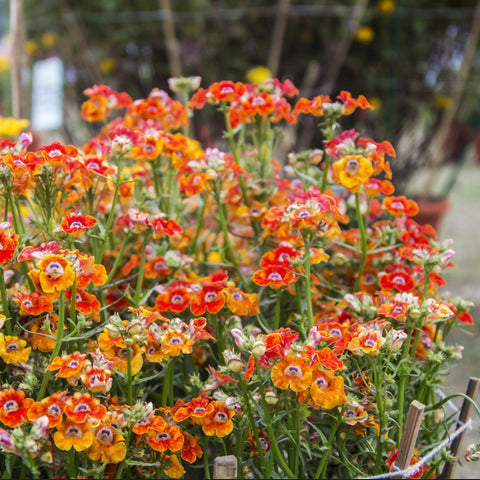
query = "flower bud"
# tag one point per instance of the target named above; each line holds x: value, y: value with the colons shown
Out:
x: 258, y: 348
x: 271, y: 398
x: 233, y: 361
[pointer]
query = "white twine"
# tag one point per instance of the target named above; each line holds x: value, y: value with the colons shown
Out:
x: 413, y: 469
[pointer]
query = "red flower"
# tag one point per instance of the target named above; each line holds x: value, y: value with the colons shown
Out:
x: 400, y: 206
x: 275, y: 275
x: 13, y: 407
x: 76, y: 224
x: 8, y: 243
x: 399, y: 280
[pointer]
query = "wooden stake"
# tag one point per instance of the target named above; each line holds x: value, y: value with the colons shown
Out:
x: 472, y: 389
x: 225, y: 467
x: 277, y: 37
x: 409, y: 436
x: 17, y: 36
x: 171, y: 42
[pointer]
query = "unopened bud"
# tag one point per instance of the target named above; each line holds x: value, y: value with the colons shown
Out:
x: 271, y: 398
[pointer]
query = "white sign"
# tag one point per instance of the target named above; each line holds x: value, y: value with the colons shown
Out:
x: 47, y: 94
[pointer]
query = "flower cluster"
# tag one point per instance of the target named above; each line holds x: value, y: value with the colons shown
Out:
x: 164, y: 303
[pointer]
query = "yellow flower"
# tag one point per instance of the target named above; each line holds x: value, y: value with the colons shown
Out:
x: 107, y: 65
x: 258, y: 74
x: 108, y: 444
x: 353, y: 171
x: 11, y: 127
x: 12, y: 349
x: 56, y: 273
x: 70, y: 434
x: 386, y: 7
x: 364, y: 34
x: 173, y: 468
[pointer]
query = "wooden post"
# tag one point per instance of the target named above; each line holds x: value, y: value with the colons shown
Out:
x: 225, y: 467
x: 17, y: 42
x: 277, y: 37
x: 472, y: 389
x: 409, y: 436
x: 171, y: 43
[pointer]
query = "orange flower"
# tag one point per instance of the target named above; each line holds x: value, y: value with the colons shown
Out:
x: 365, y: 340
x: 51, y: 407
x: 42, y: 341
x: 68, y: 366
x: 12, y: 349
x: 401, y: 281
x: 219, y: 422
x: 87, y: 271
x: 8, y: 243
x: 108, y: 444
x: 156, y: 268
x: 97, y: 379
x: 191, y: 449
x: 400, y: 206
x: 292, y: 372
x: 32, y: 303
x: 172, y: 467
x: 327, y: 389
x: 275, y: 275
x: 173, y: 342
x: 76, y: 224
x: 118, y: 354
x: 13, y: 407
x: 55, y: 274
x: 198, y: 409
x: 82, y: 406
x: 350, y: 104
x: 85, y: 302
x: 241, y: 303
x: 211, y: 298
x: 353, y: 171
x: 264, y: 442
x: 57, y: 154
x: 72, y: 434
x: 165, y: 437
x: 176, y: 299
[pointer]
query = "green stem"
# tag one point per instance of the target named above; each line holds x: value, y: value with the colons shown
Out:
x: 325, y: 173
x: 166, y: 382
x: 363, y: 239
x: 138, y: 290
x: 58, y: 344
x: 111, y: 214
x: 278, y: 307
x: 129, y: 375
x: 321, y: 471
x: 6, y: 311
x: 253, y: 425
x: 205, y: 458
x: 271, y: 434
x: 308, y: 288
x: 118, y: 258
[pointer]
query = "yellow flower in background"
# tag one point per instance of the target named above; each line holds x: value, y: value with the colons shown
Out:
x: 4, y: 63
x: 258, y: 74
x: 49, y: 39
x: 443, y: 102
x: 30, y: 47
x: 364, y: 34
x: 375, y: 102
x: 107, y: 65
x: 11, y: 127
x: 386, y: 7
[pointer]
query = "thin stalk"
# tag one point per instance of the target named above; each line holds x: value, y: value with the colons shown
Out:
x: 138, y: 289
x: 321, y: 471
x: 6, y: 311
x: 58, y: 344
x: 253, y: 425
x: 205, y: 458
x: 129, y: 375
x: 308, y: 288
x: 323, y: 186
x: 278, y: 307
x: 166, y: 382
x: 363, y: 239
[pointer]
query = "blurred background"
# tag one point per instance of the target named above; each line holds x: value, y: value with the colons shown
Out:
x: 417, y: 61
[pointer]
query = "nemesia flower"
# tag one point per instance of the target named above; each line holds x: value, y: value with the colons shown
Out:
x: 51, y: 407
x: 391, y: 461
x: 400, y: 206
x: 165, y: 437
x: 172, y: 467
x: 85, y: 302
x: 97, y: 379
x: 241, y: 303
x: 32, y: 303
x: 353, y: 171
x: 55, y: 273
x: 13, y: 407
x: 76, y: 224
x: 191, y: 449
x: 327, y: 389
x: 57, y: 154
x: 8, y: 243
x: 274, y: 275
x: 219, y: 422
x: 68, y: 366
x: 73, y: 434
x: 41, y: 341
x: 292, y: 372
x: 82, y: 406
x: 108, y: 444
x: 13, y: 349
